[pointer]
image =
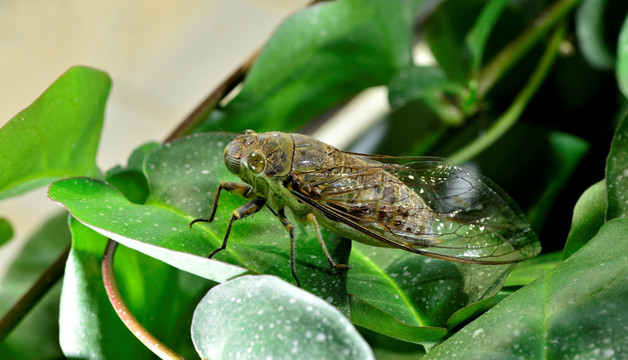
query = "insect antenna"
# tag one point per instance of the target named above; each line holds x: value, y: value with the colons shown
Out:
x: 224, y: 133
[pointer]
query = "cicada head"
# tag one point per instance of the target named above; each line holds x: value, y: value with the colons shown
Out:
x: 251, y: 154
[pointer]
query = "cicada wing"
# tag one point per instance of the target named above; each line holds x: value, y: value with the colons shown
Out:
x: 472, y: 220
x: 474, y: 217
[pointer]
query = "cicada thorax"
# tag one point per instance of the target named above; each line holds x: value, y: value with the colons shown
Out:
x: 365, y: 191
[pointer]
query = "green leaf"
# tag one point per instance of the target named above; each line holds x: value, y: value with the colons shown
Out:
x: 373, y: 317
x: 622, y: 59
x: 590, y: 26
x: 617, y: 173
x: 181, y: 176
x: 427, y: 84
x: 318, y: 58
x: 478, y: 35
x: 527, y: 271
x: 40, y: 326
x: 159, y: 296
x: 412, y: 297
x: 265, y: 317
x: 57, y: 136
x: 574, y: 311
x: 385, y: 347
x: 131, y: 180
x: 139, y: 155
x: 588, y: 217
x: 6, y: 231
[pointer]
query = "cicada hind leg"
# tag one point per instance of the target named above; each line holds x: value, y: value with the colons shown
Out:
x: 312, y: 219
x: 290, y: 229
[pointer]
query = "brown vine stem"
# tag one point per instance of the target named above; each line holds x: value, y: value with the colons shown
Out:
x: 47, y: 279
x: 150, y: 341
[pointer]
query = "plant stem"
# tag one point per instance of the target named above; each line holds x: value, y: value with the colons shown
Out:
x: 510, y: 54
x: 512, y: 114
x: 47, y: 279
x: 148, y: 339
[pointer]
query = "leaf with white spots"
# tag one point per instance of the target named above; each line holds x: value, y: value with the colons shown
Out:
x: 575, y: 311
x: 263, y: 317
x: 414, y: 297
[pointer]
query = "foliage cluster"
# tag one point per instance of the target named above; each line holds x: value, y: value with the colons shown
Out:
x: 530, y: 93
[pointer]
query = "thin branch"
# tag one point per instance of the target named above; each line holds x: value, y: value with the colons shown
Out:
x: 37, y: 291
x: 148, y: 339
x: 512, y: 114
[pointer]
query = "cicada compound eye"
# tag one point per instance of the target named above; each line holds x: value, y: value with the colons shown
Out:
x: 256, y: 162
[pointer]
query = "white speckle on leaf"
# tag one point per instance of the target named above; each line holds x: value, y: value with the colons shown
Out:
x: 320, y: 337
x: 477, y: 332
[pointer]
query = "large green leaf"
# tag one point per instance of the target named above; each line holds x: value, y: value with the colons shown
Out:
x: 574, y: 311
x: 182, y: 175
x: 158, y: 295
x: 263, y: 317
x: 588, y: 217
x: 617, y: 173
x: 40, y: 326
x: 57, y: 136
x: 318, y: 58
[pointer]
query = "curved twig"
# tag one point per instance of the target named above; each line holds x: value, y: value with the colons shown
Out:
x: 148, y: 339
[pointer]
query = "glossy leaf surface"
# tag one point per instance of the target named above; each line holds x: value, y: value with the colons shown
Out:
x: 58, y: 134
x: 265, y: 317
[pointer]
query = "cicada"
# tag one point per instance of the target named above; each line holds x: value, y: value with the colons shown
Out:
x: 422, y: 205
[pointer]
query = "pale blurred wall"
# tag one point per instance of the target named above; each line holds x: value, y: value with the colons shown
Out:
x: 163, y: 58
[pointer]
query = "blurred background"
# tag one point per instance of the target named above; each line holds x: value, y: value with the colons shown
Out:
x: 163, y: 57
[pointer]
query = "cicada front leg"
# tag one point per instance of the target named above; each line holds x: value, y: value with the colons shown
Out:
x: 242, y: 212
x: 244, y: 190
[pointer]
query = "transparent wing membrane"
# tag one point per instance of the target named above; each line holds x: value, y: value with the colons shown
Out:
x: 427, y: 206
